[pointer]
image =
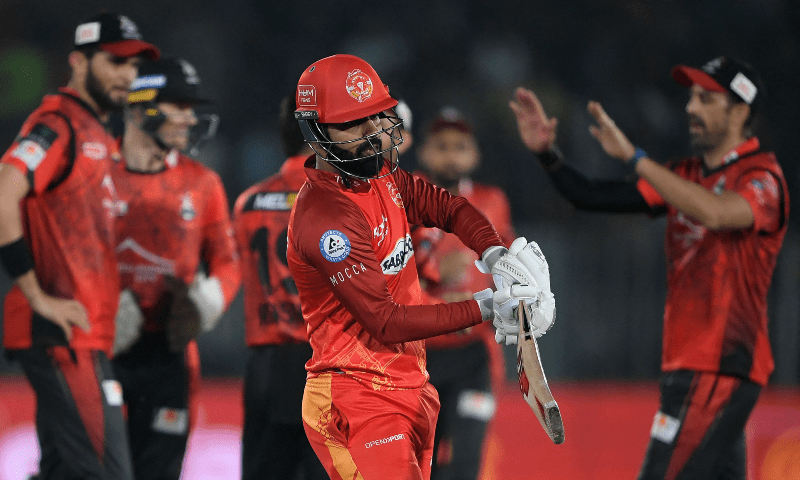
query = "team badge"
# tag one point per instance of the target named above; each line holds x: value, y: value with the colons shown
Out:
x: 394, y: 193
x: 94, y: 150
x: 188, y: 211
x: 359, y: 85
x: 334, y: 245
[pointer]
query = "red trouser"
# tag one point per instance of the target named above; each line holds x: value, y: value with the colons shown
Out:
x: 361, y: 433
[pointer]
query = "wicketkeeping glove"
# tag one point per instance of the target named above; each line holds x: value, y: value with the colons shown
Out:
x: 183, y: 322
x: 128, y: 322
x: 506, y: 303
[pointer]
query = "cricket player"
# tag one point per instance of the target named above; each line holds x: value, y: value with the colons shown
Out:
x: 57, y: 242
x: 178, y: 264
x: 727, y: 210
x: 368, y: 409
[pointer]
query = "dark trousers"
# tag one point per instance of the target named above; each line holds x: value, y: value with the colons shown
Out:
x: 79, y: 418
x: 699, y: 431
x: 274, y: 443
x: 461, y: 376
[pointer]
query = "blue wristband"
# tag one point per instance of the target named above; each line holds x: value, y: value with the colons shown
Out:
x: 634, y: 160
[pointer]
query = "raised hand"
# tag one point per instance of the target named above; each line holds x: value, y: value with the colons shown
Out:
x: 537, y: 132
x: 611, y: 138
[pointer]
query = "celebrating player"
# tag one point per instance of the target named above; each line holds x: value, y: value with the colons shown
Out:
x: 726, y: 219
x: 57, y: 242
x: 173, y: 217
x: 459, y: 363
x: 368, y: 409
x: 274, y: 444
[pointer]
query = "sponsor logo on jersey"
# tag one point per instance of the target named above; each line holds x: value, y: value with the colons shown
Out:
x: 306, y: 96
x: 31, y: 153
x: 381, y: 230
x: 348, y: 272
x: 398, y: 259
x: 188, y: 211
x: 359, y: 85
x: 172, y: 421
x: 665, y: 427
x: 147, y: 267
x: 693, y: 232
x: 383, y: 441
x: 94, y: 150
x: 281, y: 201
x: 394, y: 193
x: 334, y: 245
x: 149, y: 81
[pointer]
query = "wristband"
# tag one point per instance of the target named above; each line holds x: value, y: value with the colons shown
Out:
x: 551, y: 158
x: 634, y: 160
x: 16, y: 258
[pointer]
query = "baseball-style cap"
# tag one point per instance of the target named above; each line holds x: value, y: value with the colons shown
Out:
x: 724, y: 74
x: 449, y: 117
x: 167, y: 80
x: 115, y: 34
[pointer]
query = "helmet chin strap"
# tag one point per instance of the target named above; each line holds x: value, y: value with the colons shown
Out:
x: 152, y: 124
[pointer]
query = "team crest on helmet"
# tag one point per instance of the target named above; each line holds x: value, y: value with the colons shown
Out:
x: 359, y: 85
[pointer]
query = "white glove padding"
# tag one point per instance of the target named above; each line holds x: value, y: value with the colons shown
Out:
x: 532, y: 258
x: 505, y: 268
x: 206, y: 293
x: 484, y: 299
x: 128, y: 322
x: 506, y: 303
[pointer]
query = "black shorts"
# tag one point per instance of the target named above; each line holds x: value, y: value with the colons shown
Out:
x: 461, y: 376
x: 158, y: 387
x: 274, y: 443
x: 79, y: 418
x: 699, y: 431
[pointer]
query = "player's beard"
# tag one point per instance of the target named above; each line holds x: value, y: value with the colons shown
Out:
x: 705, y: 140
x: 95, y: 90
x: 368, y: 167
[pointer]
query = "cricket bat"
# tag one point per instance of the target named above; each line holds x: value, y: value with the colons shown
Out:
x: 533, y: 383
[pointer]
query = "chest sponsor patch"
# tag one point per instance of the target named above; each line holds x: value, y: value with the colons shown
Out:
x: 33, y: 147
x: 334, y: 245
x: 398, y: 258
x: 665, y: 427
x: 272, y: 201
x: 94, y: 150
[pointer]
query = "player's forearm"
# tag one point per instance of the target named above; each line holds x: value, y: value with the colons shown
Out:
x: 406, y: 323
x: 712, y: 210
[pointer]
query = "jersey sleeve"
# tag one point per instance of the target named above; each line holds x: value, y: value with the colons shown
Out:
x: 41, y: 151
x: 432, y: 206
x: 763, y: 192
x: 219, y: 246
x: 365, y: 294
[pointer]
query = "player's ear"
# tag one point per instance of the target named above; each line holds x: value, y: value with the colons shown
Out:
x: 79, y: 62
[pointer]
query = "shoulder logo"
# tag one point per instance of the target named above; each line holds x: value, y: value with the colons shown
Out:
x: 359, y: 85
x: 334, y: 245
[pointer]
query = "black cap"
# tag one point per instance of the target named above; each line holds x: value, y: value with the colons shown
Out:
x: 115, y: 34
x: 167, y: 80
x: 724, y: 74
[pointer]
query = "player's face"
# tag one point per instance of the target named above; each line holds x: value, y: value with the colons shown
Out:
x: 709, y: 118
x: 449, y: 155
x: 108, y: 79
x: 367, y: 148
x: 174, y: 132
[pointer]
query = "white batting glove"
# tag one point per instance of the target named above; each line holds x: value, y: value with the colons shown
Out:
x: 506, y: 303
x: 206, y: 293
x: 484, y: 299
x: 532, y: 258
x: 128, y: 323
x: 505, y: 268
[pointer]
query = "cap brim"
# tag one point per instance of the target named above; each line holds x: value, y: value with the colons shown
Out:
x: 132, y: 48
x: 688, y: 76
x: 364, y: 112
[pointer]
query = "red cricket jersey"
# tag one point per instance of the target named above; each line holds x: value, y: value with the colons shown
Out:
x: 715, y: 318
x: 261, y: 220
x: 67, y: 216
x: 433, y: 246
x: 169, y: 221
x: 350, y: 255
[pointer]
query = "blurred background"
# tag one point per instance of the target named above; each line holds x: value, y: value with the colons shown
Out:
x: 608, y: 271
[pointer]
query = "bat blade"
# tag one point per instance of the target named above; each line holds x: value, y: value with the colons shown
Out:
x: 533, y: 383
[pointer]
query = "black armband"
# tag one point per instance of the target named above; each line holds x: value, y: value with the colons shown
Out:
x: 16, y: 258
x: 551, y: 158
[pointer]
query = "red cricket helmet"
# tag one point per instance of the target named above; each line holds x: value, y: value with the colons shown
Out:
x: 340, y: 89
